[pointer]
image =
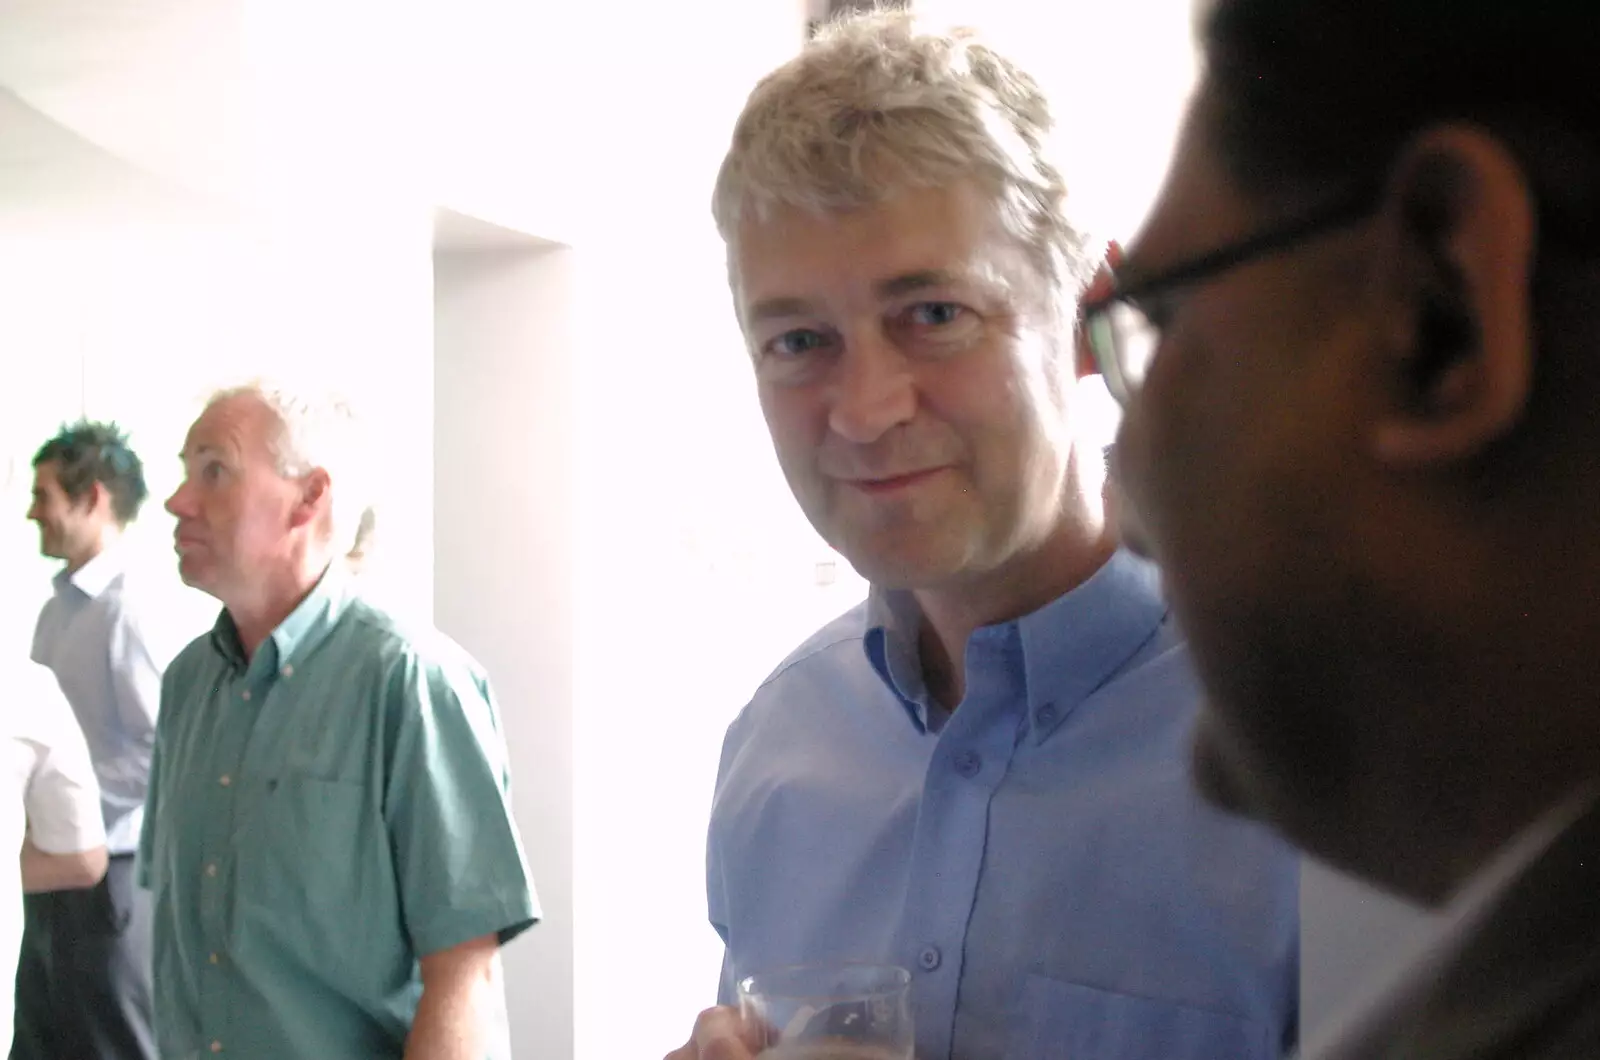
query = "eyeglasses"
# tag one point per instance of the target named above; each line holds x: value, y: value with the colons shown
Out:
x: 1117, y: 324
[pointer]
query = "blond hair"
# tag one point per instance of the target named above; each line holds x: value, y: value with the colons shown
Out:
x: 882, y: 102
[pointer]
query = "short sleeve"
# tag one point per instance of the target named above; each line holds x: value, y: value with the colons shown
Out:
x: 62, y: 798
x: 447, y: 806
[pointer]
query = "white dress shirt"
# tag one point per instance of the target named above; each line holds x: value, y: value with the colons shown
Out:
x: 50, y: 795
x: 90, y: 635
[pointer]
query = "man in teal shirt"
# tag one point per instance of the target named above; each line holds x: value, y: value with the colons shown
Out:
x: 328, y: 834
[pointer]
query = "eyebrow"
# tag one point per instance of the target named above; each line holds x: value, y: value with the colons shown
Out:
x: 204, y: 450
x: 895, y: 287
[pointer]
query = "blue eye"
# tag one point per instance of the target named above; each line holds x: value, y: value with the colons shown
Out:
x: 795, y: 343
x: 935, y: 314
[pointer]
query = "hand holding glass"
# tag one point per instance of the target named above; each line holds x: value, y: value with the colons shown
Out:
x: 831, y: 1012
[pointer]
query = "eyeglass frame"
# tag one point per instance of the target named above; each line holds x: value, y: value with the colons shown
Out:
x: 1341, y: 212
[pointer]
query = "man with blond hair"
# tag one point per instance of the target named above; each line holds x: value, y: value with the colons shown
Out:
x: 329, y: 835
x: 980, y: 774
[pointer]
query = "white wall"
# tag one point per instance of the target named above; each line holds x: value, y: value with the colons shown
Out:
x: 695, y: 569
x: 139, y: 325
x: 503, y: 446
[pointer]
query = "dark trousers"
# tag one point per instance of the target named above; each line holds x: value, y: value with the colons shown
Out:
x: 83, y: 980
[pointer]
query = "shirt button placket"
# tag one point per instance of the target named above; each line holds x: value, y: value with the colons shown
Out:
x: 969, y: 763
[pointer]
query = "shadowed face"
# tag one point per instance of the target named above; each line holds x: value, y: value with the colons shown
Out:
x: 1304, y: 459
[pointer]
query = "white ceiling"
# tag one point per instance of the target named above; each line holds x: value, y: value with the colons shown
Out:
x: 458, y: 233
x: 52, y: 179
x: 163, y: 110
x: 147, y: 83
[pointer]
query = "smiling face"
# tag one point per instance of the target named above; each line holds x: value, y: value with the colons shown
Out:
x: 915, y: 379
x: 69, y: 530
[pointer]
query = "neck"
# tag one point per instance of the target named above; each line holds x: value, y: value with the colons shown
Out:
x: 951, y: 613
x: 1488, y: 716
x: 108, y: 536
x: 257, y: 614
x: 1433, y: 872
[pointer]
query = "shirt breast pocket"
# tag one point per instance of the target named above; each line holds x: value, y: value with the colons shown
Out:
x: 301, y: 858
x: 1065, y: 1021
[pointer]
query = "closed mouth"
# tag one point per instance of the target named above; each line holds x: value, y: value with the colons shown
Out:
x: 892, y: 483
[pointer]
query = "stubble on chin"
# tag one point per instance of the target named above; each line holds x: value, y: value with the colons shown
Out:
x: 1217, y: 774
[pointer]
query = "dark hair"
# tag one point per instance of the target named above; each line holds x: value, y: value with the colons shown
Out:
x: 1312, y: 93
x: 87, y: 452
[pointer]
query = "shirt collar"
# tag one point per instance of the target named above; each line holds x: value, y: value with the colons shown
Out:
x: 302, y: 630
x: 1069, y: 648
x: 894, y: 622
x: 94, y: 577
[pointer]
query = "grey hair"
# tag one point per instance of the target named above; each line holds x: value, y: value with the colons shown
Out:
x: 881, y: 102
x: 314, y: 431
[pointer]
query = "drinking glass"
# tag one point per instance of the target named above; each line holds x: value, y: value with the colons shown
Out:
x: 831, y: 1012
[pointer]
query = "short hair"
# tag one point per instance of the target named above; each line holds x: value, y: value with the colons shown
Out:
x: 314, y: 431
x: 880, y: 103
x: 1312, y: 93
x: 91, y: 451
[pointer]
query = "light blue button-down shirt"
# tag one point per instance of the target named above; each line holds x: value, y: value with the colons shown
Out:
x: 91, y: 635
x: 1037, y: 858
x: 322, y: 815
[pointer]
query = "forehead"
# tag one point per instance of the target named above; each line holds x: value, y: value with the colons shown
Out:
x: 1199, y: 206
x: 797, y: 252
x: 46, y: 476
x: 235, y: 425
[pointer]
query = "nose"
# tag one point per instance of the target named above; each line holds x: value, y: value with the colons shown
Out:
x: 874, y: 390
x: 178, y: 504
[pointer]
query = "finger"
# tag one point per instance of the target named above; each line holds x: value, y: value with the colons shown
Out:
x: 723, y: 1034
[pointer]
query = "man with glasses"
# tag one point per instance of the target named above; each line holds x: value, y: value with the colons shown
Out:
x: 1361, y: 439
x: 980, y: 774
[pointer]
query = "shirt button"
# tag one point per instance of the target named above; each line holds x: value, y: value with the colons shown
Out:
x: 930, y: 958
x: 216, y: 1047
x: 224, y: 780
x: 215, y: 959
x: 1047, y: 714
x: 968, y: 763
x: 211, y: 869
x: 245, y: 695
x: 288, y: 671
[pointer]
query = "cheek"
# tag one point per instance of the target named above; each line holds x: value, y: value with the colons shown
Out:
x: 1003, y: 411
x: 797, y: 422
x: 223, y: 515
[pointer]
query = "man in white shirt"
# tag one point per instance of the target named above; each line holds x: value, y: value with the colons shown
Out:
x: 83, y: 982
x: 50, y: 808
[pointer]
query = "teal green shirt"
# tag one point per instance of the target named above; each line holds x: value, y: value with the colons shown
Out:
x: 319, y: 817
